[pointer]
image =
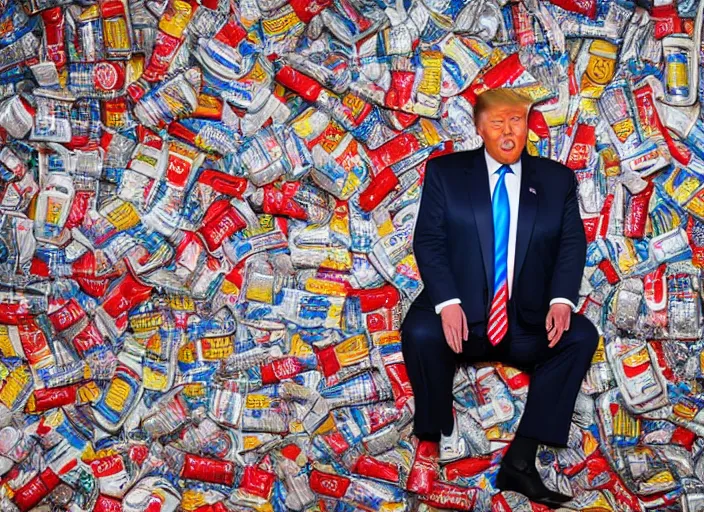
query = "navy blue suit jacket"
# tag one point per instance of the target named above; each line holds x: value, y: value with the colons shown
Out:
x: 453, y: 239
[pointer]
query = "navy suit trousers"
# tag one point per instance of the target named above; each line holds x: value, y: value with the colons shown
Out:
x: 556, y: 373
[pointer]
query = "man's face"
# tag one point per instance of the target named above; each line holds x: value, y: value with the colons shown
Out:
x: 504, y: 130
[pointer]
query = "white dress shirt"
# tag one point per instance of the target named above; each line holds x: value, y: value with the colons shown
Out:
x: 513, y: 187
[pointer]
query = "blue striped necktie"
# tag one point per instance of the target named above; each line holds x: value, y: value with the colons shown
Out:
x: 498, y: 316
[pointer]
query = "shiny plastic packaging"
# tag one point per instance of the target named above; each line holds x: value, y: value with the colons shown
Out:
x: 207, y: 213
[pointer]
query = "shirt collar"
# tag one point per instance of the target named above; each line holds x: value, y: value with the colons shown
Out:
x: 492, y: 165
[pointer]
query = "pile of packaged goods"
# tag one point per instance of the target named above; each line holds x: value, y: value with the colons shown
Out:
x: 207, y: 210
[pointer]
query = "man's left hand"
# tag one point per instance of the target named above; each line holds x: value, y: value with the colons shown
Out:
x: 557, y: 322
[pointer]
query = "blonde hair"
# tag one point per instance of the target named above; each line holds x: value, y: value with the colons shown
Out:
x: 501, y: 96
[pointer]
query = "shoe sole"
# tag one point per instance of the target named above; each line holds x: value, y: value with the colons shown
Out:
x: 503, y: 487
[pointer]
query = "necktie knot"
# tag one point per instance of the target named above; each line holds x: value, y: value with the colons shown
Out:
x: 503, y: 170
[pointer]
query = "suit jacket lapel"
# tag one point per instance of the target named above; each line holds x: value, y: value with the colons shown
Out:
x: 527, y: 206
x: 480, y: 195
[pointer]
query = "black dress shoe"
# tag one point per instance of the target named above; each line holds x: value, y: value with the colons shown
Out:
x: 528, y: 482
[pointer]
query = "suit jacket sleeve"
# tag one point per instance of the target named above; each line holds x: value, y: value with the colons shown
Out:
x: 430, y: 239
x: 572, y: 253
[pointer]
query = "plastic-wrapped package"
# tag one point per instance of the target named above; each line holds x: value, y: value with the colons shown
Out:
x: 206, y: 224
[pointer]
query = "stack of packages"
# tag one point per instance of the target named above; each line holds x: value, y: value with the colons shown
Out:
x: 206, y: 221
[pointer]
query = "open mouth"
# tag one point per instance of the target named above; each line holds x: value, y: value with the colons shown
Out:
x: 508, y: 145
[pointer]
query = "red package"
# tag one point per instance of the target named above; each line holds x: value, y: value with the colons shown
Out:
x: 257, y: 481
x: 291, y: 452
x: 591, y: 224
x: 54, y: 31
x: 424, y: 470
x: 327, y: 358
x: 326, y: 484
x: 306, y: 10
x: 178, y: 169
x: 235, y: 275
x: 683, y: 437
x: 337, y: 443
x: 572, y: 80
x: 609, y: 271
x: 655, y: 289
x: 399, y: 120
x: 378, y: 189
x: 393, y: 151
x: 178, y: 130
x: 138, y: 453
x: 281, y: 369
x: 79, y: 207
x: 279, y: 201
x: 13, y: 314
x: 87, y: 339
x: 386, y: 296
x: 220, y: 222
x: 34, y: 341
x: 371, y: 468
x: 454, y: 497
x: 303, y: 85
x: 400, y: 93
x: 50, y: 398
x: 581, y: 149
x: 329, y: 138
x: 107, y: 504
x: 126, y: 295
x: 224, y: 183
x: 208, y: 470
x: 107, y: 466
x: 108, y: 76
x: 696, y: 242
x: 597, y: 468
x: 165, y: 50
x: 667, y: 21
x: 114, y: 112
x: 660, y: 501
x: 66, y: 316
x: 85, y: 266
x: 650, y: 121
x: 39, y: 268
x: 499, y: 504
x: 515, y: 380
x: 381, y: 320
x: 505, y: 72
x: 583, y: 7
x: 446, y: 148
x: 537, y: 123
x: 467, y: 468
x: 604, y: 216
x: 231, y: 33
x: 36, y: 490
x: 400, y: 384
x: 637, y: 213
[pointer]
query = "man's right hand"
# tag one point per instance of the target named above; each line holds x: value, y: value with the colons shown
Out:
x: 454, y: 325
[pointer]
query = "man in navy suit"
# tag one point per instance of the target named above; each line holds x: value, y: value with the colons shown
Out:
x: 501, y: 249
